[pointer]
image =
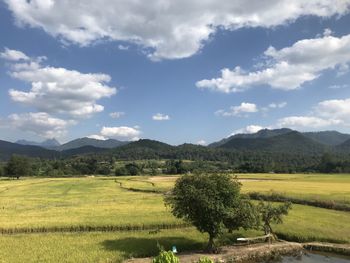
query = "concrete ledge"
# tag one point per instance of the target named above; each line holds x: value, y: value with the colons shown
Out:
x: 343, y: 249
x: 240, y: 253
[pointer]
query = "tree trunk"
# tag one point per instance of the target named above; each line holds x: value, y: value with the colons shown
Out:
x: 210, y: 247
x: 267, y: 230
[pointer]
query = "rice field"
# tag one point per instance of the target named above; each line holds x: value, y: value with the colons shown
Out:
x: 70, y: 210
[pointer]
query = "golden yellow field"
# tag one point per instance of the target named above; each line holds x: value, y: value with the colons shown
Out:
x: 65, y: 206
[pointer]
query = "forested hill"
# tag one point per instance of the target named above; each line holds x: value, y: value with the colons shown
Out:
x: 262, y: 134
x: 82, y: 142
x: 269, y: 143
x: 291, y: 142
x: 7, y: 149
x: 328, y: 137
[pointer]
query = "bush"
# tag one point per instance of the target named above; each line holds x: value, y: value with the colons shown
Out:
x: 166, y: 257
x: 103, y: 169
x: 205, y: 260
x: 132, y: 169
x: 120, y: 171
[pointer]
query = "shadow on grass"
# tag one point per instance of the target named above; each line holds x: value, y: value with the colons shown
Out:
x: 145, y: 247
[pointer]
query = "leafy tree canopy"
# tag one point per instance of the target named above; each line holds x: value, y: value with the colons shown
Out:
x: 208, y: 201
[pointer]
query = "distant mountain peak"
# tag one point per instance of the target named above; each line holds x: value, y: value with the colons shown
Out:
x: 263, y: 133
x: 51, y: 142
x: 85, y: 141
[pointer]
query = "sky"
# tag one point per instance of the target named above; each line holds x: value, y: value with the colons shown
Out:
x: 175, y: 71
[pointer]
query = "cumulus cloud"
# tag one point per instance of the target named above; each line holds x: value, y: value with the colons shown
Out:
x: 287, y: 68
x: 121, y: 133
x: 202, y: 142
x: 306, y: 122
x: 239, y: 111
x: 334, y: 109
x: 97, y: 137
x: 116, y: 114
x: 59, y: 90
x: 54, y: 91
x: 160, y: 117
x: 165, y: 29
x: 277, y: 105
x: 248, y: 129
x: 327, y: 32
x: 13, y: 55
x: 325, y: 114
x: 123, y: 47
x: 39, y: 123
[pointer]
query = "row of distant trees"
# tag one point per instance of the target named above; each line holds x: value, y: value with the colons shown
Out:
x: 106, y: 165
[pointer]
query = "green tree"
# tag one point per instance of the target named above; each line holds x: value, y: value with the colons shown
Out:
x: 205, y: 201
x: 244, y: 215
x: 2, y: 172
x: 132, y: 169
x: 272, y: 214
x: 18, y: 166
x: 120, y: 171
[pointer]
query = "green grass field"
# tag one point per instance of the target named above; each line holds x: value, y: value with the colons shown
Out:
x: 100, y: 201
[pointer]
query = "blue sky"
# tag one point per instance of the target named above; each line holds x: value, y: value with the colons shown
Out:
x: 158, y: 68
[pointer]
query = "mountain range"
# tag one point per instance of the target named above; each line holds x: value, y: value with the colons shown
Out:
x: 49, y: 143
x: 274, y: 141
x: 53, y: 144
x: 331, y: 138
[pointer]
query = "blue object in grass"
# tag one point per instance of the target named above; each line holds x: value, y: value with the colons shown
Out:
x: 174, y: 249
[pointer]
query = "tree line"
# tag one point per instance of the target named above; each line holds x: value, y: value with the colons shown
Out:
x: 109, y: 165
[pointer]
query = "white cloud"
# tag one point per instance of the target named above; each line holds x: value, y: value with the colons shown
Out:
x: 121, y: 133
x: 59, y: 90
x: 202, y: 142
x: 116, y: 114
x: 54, y: 91
x: 97, y: 137
x: 287, y: 68
x: 337, y: 86
x: 160, y: 117
x: 123, y: 47
x: 277, y: 105
x: 39, y: 123
x: 334, y: 110
x: 13, y: 55
x: 296, y: 122
x: 166, y: 29
x: 326, y: 113
x: 248, y: 129
x: 241, y: 110
x: 327, y: 32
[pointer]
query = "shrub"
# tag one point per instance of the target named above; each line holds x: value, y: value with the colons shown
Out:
x: 120, y: 171
x: 205, y: 260
x: 166, y: 257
